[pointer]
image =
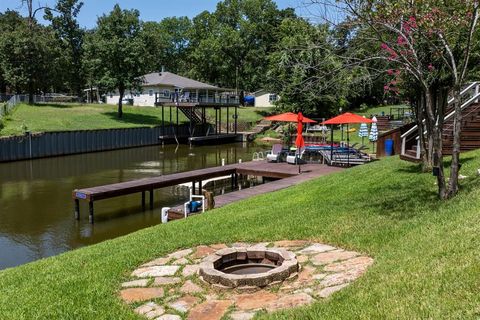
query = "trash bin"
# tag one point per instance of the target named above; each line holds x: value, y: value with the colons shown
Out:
x: 388, y: 147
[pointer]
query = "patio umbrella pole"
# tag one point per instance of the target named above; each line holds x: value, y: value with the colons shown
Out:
x: 348, y: 147
x: 331, y: 145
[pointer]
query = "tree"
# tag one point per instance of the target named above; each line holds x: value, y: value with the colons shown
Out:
x: 230, y: 46
x: 299, y: 70
x: 28, y: 55
x: 121, y: 51
x: 70, y: 36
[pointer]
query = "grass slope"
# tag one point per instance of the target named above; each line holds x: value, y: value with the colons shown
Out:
x: 427, y: 256
x: 41, y: 118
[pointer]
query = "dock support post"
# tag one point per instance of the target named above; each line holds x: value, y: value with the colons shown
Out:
x: 236, y: 118
x: 143, y: 200
x: 235, y: 175
x: 77, y: 209
x: 90, y: 211
x: 200, y: 186
x: 228, y: 120
x: 193, y: 187
x: 151, y: 199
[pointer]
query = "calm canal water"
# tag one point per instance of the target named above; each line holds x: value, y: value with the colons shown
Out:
x: 36, y: 208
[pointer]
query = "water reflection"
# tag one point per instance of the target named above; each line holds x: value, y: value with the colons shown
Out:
x: 36, y: 218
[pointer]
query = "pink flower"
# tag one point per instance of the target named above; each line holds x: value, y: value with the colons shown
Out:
x: 431, y: 67
x: 390, y: 72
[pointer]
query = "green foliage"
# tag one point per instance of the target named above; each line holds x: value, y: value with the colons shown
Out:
x: 70, y: 40
x: 28, y: 54
x: 120, y: 51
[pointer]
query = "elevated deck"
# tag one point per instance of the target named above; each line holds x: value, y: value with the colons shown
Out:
x: 258, y: 168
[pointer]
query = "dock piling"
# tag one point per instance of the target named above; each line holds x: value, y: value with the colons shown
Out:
x: 151, y: 199
x: 77, y: 209
x: 143, y: 200
x: 90, y: 211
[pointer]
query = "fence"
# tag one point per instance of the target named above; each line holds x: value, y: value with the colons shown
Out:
x: 48, y: 144
x: 6, y: 107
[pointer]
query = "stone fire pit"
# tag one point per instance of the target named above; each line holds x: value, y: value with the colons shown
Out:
x: 236, y: 281
x: 248, y: 267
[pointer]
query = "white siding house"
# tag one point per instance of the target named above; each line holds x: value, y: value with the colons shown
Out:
x: 264, y: 98
x: 165, y: 85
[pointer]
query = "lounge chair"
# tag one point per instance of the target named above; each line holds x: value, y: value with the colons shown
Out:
x: 297, y: 157
x: 275, y: 153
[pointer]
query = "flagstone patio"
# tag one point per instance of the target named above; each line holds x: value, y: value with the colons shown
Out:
x: 170, y: 288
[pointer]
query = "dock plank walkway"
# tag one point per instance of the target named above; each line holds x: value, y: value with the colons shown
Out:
x: 289, y: 174
x: 309, y: 172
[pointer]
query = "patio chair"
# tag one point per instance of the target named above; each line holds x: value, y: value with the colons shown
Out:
x: 275, y: 153
x: 297, y: 157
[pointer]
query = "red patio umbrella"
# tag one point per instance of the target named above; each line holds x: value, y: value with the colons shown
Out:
x: 299, y: 142
x: 345, y: 118
x: 288, y: 117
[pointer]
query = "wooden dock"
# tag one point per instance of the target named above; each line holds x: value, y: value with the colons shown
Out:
x: 196, y: 177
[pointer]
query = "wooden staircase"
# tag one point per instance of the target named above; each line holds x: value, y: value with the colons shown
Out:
x: 191, y: 113
x: 470, y: 136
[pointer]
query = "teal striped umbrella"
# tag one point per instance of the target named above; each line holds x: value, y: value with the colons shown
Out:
x: 373, y: 137
x: 363, y: 131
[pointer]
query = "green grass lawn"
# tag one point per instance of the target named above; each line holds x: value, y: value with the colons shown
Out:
x: 427, y: 256
x: 41, y: 118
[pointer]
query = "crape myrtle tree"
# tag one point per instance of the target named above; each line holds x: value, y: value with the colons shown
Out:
x: 429, y: 44
x: 119, y: 51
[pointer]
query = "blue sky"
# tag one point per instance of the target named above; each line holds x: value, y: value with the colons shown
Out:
x: 150, y: 10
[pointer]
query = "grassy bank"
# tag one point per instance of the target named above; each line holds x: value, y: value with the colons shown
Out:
x: 426, y: 252
x: 41, y: 118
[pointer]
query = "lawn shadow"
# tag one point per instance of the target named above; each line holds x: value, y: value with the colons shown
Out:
x: 265, y: 113
x: 58, y: 105
x: 135, y: 118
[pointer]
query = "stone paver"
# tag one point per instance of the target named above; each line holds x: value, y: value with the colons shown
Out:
x: 190, y: 287
x: 164, y: 281
x: 359, y: 264
x: 169, y: 317
x: 156, y: 262
x: 255, y: 300
x: 316, y: 248
x: 291, y: 301
x: 180, y: 261
x: 190, y: 270
x: 155, y: 271
x: 140, y: 294
x: 180, y: 254
x: 203, y: 251
x: 332, y: 256
x: 210, y: 310
x: 147, y: 307
x: 135, y: 283
x: 184, y: 304
x: 325, y: 292
x: 242, y: 315
x: 290, y: 243
x: 219, y: 246
x: 323, y: 271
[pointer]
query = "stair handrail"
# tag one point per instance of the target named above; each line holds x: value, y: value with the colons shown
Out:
x: 463, y: 106
x: 450, y: 101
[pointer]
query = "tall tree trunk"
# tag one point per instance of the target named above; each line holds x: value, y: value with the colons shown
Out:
x: 435, y: 101
x: 425, y: 150
x: 121, y: 90
x: 457, y: 130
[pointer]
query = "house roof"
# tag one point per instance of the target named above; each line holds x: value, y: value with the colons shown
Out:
x: 262, y: 92
x: 172, y: 79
